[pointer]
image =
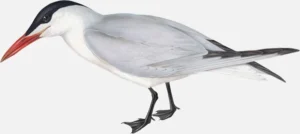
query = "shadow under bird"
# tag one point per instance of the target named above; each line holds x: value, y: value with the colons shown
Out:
x: 145, y: 49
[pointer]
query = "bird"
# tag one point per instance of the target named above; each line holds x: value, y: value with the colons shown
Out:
x: 144, y: 49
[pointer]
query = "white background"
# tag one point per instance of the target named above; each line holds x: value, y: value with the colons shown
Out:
x: 48, y: 89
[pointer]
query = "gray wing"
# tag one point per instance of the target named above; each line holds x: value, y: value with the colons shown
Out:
x: 216, y: 46
x: 148, y: 46
x: 132, y: 42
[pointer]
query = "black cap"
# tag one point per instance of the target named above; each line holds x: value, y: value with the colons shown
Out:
x: 45, y: 15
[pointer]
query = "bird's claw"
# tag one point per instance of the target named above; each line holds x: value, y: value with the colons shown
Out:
x: 165, y: 114
x: 138, y: 124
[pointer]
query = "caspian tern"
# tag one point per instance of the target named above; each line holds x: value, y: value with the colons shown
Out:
x: 145, y: 49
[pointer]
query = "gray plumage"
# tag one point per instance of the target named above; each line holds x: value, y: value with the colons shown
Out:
x: 153, y: 47
x: 253, y: 64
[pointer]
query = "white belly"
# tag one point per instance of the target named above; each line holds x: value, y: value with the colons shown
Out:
x: 77, y: 43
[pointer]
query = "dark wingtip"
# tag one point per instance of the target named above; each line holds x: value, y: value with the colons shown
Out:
x: 288, y: 51
x: 280, y: 51
x: 250, y: 53
x: 254, y: 64
x: 266, y: 70
x: 280, y: 78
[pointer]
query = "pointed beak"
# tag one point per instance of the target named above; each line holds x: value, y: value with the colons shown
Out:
x: 21, y: 43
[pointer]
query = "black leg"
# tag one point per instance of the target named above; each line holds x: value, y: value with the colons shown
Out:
x: 165, y: 114
x: 141, y: 123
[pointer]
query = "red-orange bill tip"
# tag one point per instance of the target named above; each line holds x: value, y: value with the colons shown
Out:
x: 21, y: 43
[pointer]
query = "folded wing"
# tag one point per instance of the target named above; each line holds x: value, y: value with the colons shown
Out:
x: 146, y: 47
x: 131, y: 42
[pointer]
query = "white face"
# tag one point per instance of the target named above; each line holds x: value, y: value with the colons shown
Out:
x: 56, y: 19
x: 66, y: 19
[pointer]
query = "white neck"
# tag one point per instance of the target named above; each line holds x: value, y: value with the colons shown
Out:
x: 75, y: 40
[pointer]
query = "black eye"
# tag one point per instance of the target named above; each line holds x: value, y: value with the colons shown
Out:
x: 46, y: 19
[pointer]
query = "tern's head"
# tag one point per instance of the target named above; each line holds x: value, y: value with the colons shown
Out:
x: 53, y: 20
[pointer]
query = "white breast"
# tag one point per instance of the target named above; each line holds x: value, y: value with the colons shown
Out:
x: 75, y: 40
